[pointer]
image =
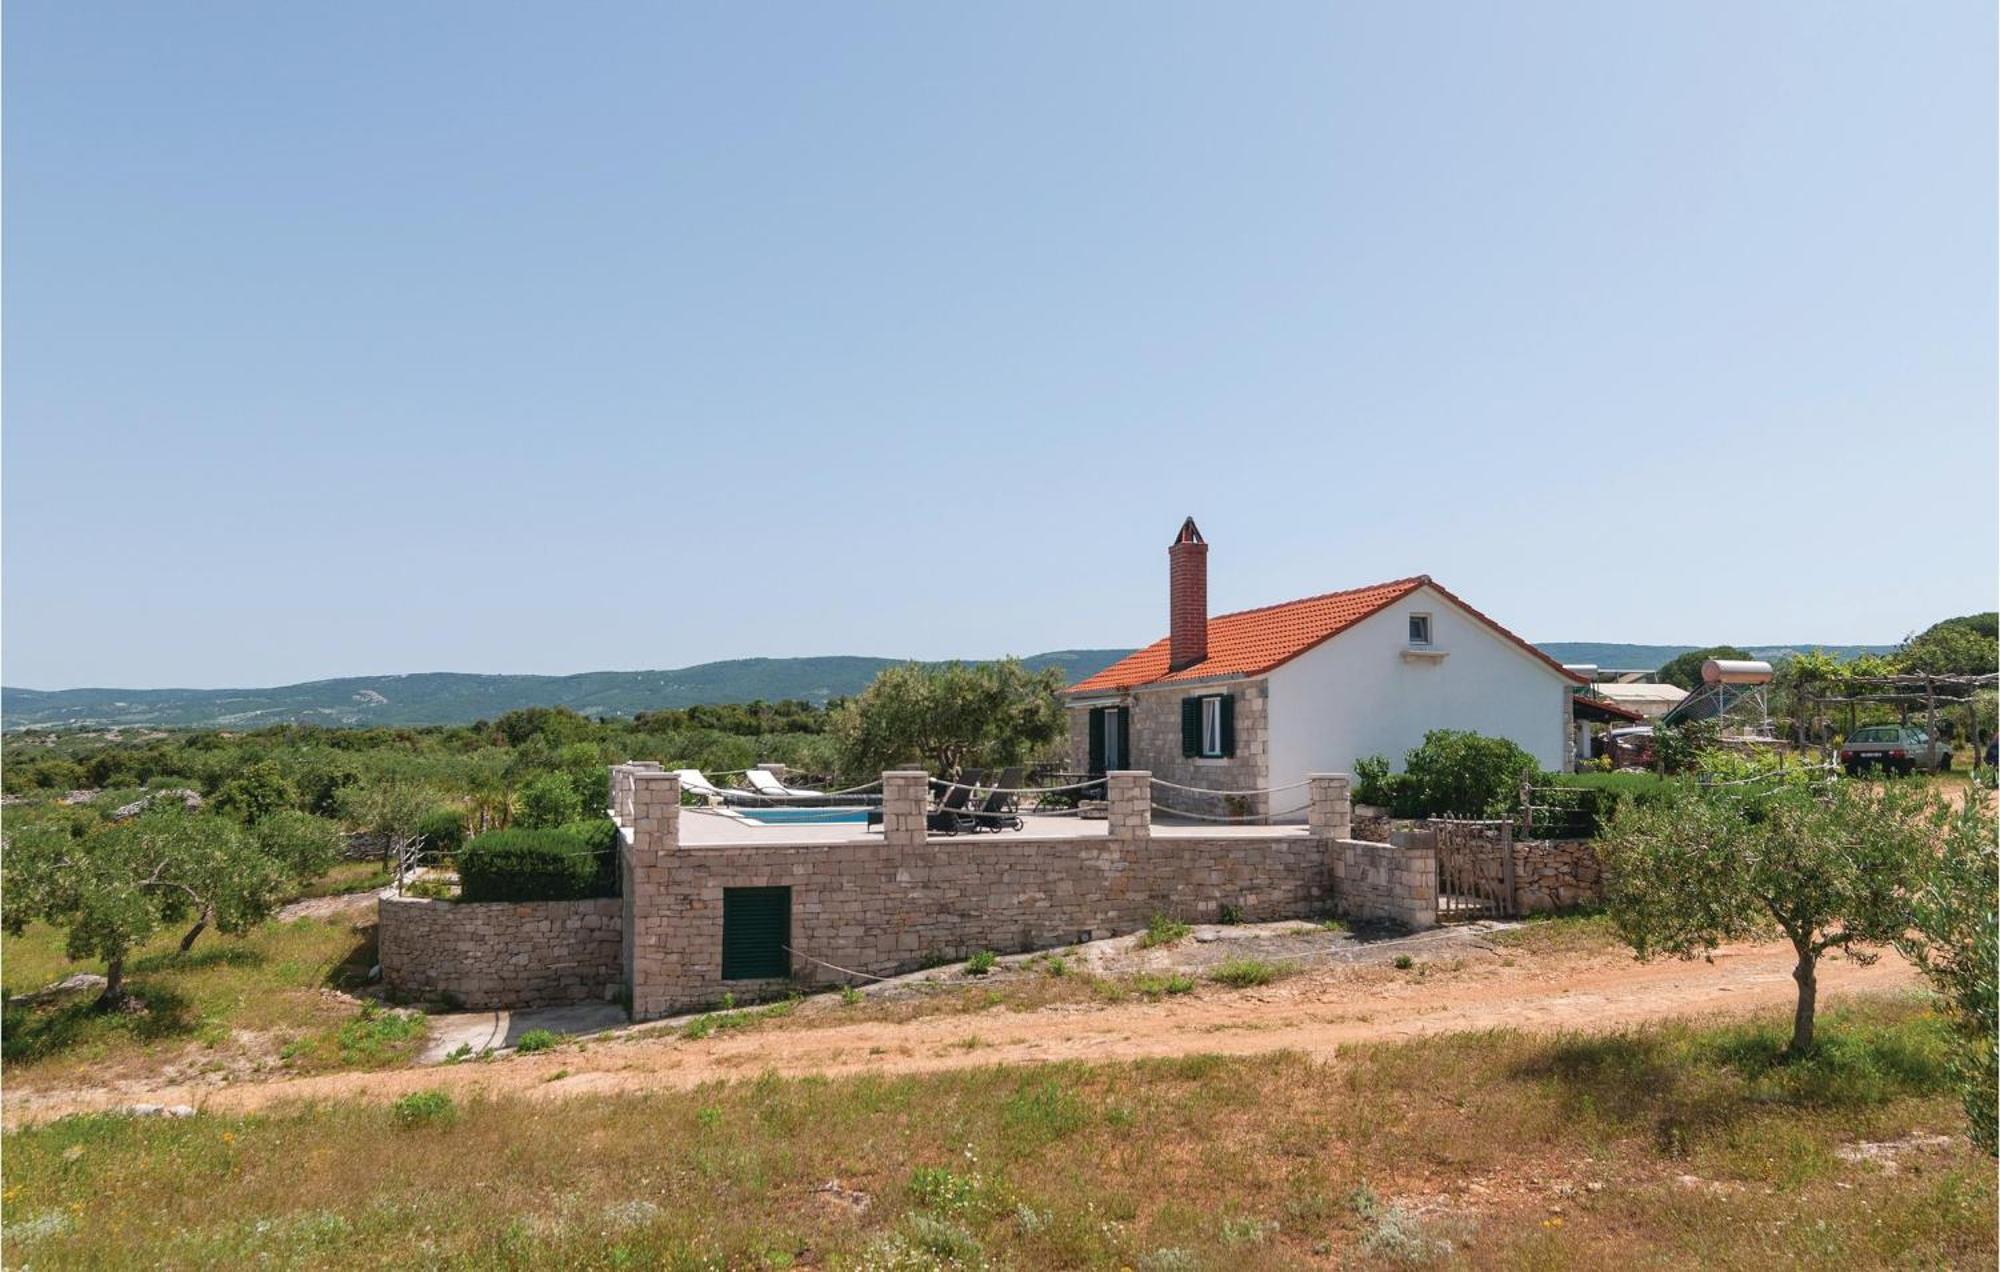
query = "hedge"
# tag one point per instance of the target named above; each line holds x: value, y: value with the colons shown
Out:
x: 1581, y: 805
x: 567, y: 863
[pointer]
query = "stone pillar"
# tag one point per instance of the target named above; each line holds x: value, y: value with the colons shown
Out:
x: 906, y: 799
x: 1129, y: 796
x: 648, y: 847
x: 1329, y: 806
x: 1413, y: 879
x: 621, y: 793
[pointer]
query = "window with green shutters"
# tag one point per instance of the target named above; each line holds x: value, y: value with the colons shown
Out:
x: 1110, y: 738
x: 756, y: 928
x: 1208, y: 726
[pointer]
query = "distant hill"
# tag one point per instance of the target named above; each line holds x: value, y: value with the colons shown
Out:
x: 1652, y: 657
x: 445, y: 697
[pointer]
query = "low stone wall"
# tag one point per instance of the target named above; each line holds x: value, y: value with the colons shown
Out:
x: 883, y: 909
x: 1549, y: 874
x: 1394, y: 882
x: 495, y: 954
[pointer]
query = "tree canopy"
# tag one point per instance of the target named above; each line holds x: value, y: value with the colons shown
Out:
x: 944, y: 717
x: 1685, y: 669
x: 1827, y: 865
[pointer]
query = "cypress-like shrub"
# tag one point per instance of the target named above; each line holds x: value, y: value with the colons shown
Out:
x: 534, y: 865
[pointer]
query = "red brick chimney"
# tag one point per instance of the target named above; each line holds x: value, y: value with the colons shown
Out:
x: 1187, y: 609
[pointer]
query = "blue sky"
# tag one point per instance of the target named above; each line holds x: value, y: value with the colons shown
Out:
x: 348, y: 339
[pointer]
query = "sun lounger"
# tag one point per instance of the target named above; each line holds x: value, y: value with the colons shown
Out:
x: 766, y: 783
x: 948, y: 818
x: 996, y: 811
x: 695, y: 782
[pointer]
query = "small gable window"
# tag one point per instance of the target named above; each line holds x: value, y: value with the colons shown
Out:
x: 1420, y: 631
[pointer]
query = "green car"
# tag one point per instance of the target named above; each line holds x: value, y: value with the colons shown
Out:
x: 1899, y: 748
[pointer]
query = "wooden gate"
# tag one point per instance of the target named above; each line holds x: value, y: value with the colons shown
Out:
x: 1475, y: 869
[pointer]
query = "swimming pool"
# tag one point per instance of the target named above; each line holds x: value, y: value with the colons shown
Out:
x: 805, y: 816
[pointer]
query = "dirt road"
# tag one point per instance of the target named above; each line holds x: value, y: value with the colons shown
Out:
x: 1484, y: 987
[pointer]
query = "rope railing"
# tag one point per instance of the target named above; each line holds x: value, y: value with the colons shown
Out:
x: 1225, y: 817
x: 1255, y: 790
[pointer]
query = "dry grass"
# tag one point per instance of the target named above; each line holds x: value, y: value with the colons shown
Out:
x: 1576, y: 932
x: 1674, y: 1146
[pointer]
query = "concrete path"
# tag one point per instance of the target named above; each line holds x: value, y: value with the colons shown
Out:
x: 500, y: 1030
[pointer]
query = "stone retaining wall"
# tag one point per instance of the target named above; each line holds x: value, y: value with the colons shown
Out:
x: 1549, y: 874
x: 884, y: 909
x: 494, y: 954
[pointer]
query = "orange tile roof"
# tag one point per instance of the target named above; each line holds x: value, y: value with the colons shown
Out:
x: 1253, y: 642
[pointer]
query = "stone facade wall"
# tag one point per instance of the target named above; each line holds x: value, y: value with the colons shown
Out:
x: 883, y: 909
x: 1156, y: 746
x: 1395, y: 882
x: 492, y: 954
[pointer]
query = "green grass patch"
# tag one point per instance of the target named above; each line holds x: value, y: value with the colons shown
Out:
x: 268, y: 981
x: 1243, y: 973
x: 1161, y: 930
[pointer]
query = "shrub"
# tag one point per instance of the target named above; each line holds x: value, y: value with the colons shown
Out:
x: 981, y: 963
x: 1581, y: 805
x: 1161, y: 930
x: 424, y: 1108
x: 533, y: 865
x: 1461, y: 774
x: 1375, y: 784
x: 537, y: 1040
x: 548, y: 802
x: 1243, y: 973
x: 443, y: 831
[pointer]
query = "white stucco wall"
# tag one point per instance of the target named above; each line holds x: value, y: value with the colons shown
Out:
x: 1356, y: 695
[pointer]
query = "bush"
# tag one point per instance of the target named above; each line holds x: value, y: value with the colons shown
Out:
x: 1581, y: 805
x: 424, y: 1108
x: 534, y: 865
x: 1453, y: 774
x: 1161, y: 930
x: 443, y: 831
x: 548, y: 802
x: 537, y: 1040
x: 1243, y: 973
x: 981, y: 963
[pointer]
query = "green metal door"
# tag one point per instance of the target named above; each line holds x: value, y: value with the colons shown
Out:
x: 756, y: 928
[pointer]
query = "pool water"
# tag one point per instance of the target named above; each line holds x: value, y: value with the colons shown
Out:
x: 806, y: 816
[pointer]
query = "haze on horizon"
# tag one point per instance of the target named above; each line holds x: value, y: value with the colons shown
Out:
x: 347, y: 342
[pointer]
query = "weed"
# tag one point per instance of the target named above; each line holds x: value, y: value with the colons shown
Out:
x: 458, y: 1054
x: 698, y: 1028
x: 708, y: 1115
x: 1161, y: 930
x: 557, y: 1076
x: 538, y: 1040
x: 1404, y: 962
x: 1058, y: 967
x: 424, y: 1108
x: 1243, y: 973
x: 849, y: 996
x: 1157, y: 986
x: 981, y: 963
x: 941, y: 1189
x: 1229, y: 915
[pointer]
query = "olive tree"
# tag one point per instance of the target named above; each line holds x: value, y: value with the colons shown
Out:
x: 1827, y: 866
x: 112, y: 890
x: 1954, y: 940
x: 946, y: 716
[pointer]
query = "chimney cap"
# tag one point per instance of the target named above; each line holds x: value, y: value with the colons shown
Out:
x: 1189, y: 533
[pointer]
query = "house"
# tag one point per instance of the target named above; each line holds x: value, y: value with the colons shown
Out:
x: 1260, y: 699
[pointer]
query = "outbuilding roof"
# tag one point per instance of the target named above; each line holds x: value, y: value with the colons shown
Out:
x: 1253, y: 642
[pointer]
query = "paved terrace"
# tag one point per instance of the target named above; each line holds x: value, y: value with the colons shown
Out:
x: 705, y: 827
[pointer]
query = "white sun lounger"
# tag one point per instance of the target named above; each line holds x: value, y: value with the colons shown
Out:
x: 696, y: 782
x: 764, y: 782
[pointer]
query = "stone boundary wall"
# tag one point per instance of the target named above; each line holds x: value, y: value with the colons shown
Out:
x: 884, y: 909
x: 1394, y: 882
x: 1549, y: 874
x: 502, y: 954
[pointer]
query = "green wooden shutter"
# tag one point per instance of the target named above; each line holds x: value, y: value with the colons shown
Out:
x: 756, y: 928
x: 1190, y: 726
x: 1229, y: 724
x: 1097, y: 739
x: 1125, y: 737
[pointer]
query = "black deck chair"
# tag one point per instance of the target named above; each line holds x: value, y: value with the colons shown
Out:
x: 996, y: 812
x: 947, y: 818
